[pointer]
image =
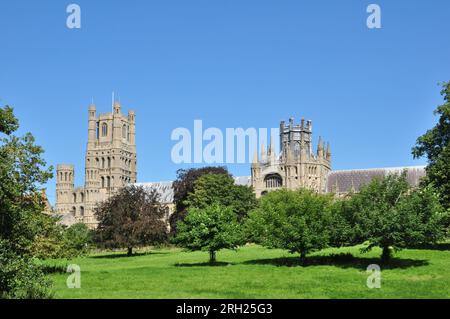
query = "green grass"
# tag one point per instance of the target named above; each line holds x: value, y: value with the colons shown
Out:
x: 257, y: 272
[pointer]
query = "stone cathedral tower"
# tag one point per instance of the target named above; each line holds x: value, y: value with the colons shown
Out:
x: 110, y: 164
x: 296, y: 166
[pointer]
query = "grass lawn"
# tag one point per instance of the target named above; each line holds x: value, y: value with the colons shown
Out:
x: 257, y: 272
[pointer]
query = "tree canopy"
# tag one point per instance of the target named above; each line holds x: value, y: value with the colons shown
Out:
x: 209, y: 228
x: 22, y: 170
x: 435, y: 145
x: 298, y: 221
x: 133, y: 217
x: 183, y: 185
x: 388, y: 214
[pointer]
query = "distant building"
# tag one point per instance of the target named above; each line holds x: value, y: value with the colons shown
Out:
x: 110, y: 164
x: 296, y: 166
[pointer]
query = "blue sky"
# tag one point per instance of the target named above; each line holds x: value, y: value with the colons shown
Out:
x: 247, y: 63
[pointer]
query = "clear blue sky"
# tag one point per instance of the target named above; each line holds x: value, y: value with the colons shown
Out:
x: 247, y: 63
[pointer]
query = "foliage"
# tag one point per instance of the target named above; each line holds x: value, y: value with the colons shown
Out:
x: 295, y: 220
x: 22, y: 170
x: 210, y: 228
x: 435, y: 145
x: 388, y: 214
x: 182, y: 186
x: 77, y: 239
x: 131, y: 218
x: 221, y: 189
x: 20, y: 277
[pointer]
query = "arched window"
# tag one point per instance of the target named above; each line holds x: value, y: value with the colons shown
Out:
x: 296, y: 150
x: 103, y: 182
x: 82, y: 197
x: 104, y: 129
x: 82, y: 211
x: 124, y: 131
x: 65, y: 176
x: 103, y: 162
x: 74, y: 197
x: 109, y: 162
x: 74, y: 211
x: 109, y: 181
x: 273, y: 181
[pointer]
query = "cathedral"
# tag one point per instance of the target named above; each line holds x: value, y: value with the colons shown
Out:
x: 110, y: 163
x: 296, y: 166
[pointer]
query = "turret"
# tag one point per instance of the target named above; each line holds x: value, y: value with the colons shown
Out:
x: 65, y: 175
x: 92, y: 125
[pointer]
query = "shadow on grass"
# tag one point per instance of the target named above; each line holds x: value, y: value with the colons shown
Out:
x: 123, y: 255
x: 338, y: 260
x: 439, y: 246
x: 208, y: 264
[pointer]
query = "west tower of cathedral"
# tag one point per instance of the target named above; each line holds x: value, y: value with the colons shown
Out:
x: 296, y: 166
x: 110, y: 163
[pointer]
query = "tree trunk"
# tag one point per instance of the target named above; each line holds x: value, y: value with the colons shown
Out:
x: 130, y: 251
x: 386, y: 255
x: 303, y: 257
x: 212, y: 256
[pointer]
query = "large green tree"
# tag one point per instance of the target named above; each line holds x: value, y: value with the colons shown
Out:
x: 133, y: 217
x: 183, y: 185
x: 210, y: 228
x: 221, y: 189
x: 435, y: 145
x: 298, y: 221
x: 386, y: 213
x: 22, y: 170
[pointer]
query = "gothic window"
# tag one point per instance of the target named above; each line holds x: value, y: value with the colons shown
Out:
x: 103, y: 162
x: 273, y: 181
x: 82, y: 197
x: 82, y: 211
x: 297, y: 150
x: 109, y: 181
x: 109, y: 162
x: 65, y: 176
x: 97, y: 130
x: 124, y: 131
x: 104, y: 129
x: 74, y: 211
x: 103, y: 182
x: 74, y: 197
x: 128, y: 133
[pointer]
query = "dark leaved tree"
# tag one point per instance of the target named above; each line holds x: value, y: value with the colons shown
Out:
x: 182, y: 186
x: 133, y: 217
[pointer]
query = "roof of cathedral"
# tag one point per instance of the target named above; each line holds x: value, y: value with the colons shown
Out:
x: 164, y: 190
x: 345, y: 181
x: 243, y: 180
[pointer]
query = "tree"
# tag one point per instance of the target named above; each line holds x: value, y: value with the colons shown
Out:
x: 435, y: 145
x: 210, y: 228
x: 388, y: 214
x: 77, y: 239
x: 133, y: 217
x: 221, y: 189
x: 182, y: 186
x: 22, y: 170
x: 295, y: 220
